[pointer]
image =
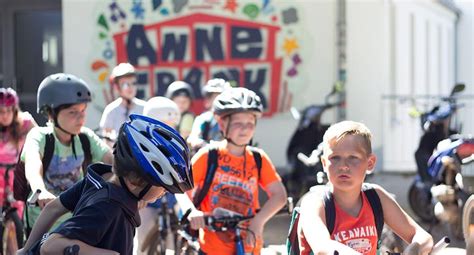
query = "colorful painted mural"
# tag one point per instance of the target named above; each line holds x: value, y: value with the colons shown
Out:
x: 250, y: 43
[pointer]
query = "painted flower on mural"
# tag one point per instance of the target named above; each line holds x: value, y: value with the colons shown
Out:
x: 197, y: 40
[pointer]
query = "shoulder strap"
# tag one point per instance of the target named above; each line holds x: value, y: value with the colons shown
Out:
x: 48, y: 152
x: 205, y: 130
x: 86, y: 147
x: 292, y: 242
x: 377, y: 209
x: 374, y: 202
x: 330, y: 210
x: 257, y: 157
x: 212, y: 158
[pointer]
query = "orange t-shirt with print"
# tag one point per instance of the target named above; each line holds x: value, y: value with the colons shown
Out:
x: 235, y: 189
x: 359, y: 233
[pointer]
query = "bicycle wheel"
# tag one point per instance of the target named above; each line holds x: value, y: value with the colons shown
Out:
x: 157, y: 245
x: 419, y: 199
x: 468, y: 218
x: 12, y: 233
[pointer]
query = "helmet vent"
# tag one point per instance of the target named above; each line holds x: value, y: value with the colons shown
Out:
x: 79, y: 94
x: 68, y: 78
x: 163, y: 134
x: 157, y: 166
x: 164, y: 151
x: 145, y: 134
x: 144, y: 148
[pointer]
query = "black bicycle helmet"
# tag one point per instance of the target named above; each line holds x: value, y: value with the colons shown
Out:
x: 60, y: 89
x: 179, y: 88
x: 215, y: 85
x: 236, y: 100
x: 157, y: 151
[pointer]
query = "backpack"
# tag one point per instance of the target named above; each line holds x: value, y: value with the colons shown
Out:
x: 292, y: 242
x: 212, y: 158
x: 21, y: 188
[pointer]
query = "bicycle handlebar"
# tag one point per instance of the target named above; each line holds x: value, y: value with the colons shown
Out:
x: 218, y: 223
x: 33, y: 199
x: 438, y: 247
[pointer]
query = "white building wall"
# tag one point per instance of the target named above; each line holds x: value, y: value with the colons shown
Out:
x: 397, y: 51
x: 465, y: 59
x: 368, y: 64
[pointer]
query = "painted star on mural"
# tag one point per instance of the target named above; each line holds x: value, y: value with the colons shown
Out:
x: 231, y: 5
x: 290, y: 45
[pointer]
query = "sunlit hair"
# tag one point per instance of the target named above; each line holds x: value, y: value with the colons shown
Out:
x: 338, y: 131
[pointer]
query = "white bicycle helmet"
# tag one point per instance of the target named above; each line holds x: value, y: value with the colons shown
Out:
x: 179, y: 88
x: 236, y: 100
x: 121, y: 70
x: 156, y: 151
x: 215, y: 85
x: 162, y: 109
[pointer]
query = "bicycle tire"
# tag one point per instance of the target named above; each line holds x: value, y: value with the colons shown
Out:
x: 157, y: 245
x: 12, y: 226
x: 468, y: 217
x: 182, y: 247
x: 422, y: 208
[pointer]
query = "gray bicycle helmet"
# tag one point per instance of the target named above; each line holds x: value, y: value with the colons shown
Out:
x: 179, y: 88
x: 236, y: 100
x: 60, y: 89
x: 215, y: 85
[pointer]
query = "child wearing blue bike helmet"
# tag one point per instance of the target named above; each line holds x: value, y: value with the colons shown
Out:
x: 150, y: 158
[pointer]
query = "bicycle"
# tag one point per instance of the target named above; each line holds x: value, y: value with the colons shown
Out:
x: 414, y: 248
x: 215, y: 223
x: 166, y: 226
x: 11, y: 225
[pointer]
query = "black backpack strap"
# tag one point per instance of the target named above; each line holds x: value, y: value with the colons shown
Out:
x: 330, y: 210
x: 212, y: 161
x: 205, y: 130
x: 377, y: 209
x: 86, y: 147
x: 257, y: 157
x: 48, y: 152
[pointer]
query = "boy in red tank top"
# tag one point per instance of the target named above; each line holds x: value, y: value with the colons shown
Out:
x: 347, y: 156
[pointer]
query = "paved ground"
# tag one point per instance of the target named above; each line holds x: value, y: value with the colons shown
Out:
x: 276, y: 230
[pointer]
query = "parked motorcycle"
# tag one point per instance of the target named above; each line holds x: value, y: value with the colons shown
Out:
x: 437, y: 125
x: 448, y: 194
x: 306, y: 138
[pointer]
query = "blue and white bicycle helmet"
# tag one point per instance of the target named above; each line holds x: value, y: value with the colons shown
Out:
x: 157, y: 151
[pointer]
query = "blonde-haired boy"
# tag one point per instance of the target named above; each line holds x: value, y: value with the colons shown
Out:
x: 347, y: 156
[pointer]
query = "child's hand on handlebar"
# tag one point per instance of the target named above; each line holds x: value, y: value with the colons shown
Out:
x: 196, y: 219
x: 44, y: 198
x: 255, y: 227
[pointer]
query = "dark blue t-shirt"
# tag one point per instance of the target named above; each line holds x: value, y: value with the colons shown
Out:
x: 104, y: 215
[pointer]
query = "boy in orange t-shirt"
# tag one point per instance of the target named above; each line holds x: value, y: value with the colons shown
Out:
x: 235, y: 184
x: 347, y: 155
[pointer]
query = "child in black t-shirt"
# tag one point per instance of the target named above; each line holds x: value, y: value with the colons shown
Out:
x: 149, y: 159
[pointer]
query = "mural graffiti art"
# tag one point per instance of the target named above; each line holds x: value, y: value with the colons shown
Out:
x: 245, y: 42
